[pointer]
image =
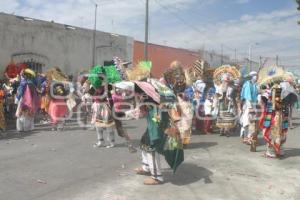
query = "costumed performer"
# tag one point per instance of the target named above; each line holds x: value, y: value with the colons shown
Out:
x: 103, y: 120
x: 2, y: 114
x: 226, y: 119
x: 249, y: 94
x: 27, y: 100
x: 274, y: 120
x: 58, y: 109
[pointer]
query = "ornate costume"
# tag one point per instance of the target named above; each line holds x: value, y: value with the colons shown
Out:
x: 175, y: 77
x: 103, y: 120
x: 28, y: 101
x: 278, y: 97
x: 224, y: 78
x: 249, y: 94
x: 2, y: 116
x: 186, y: 120
x: 274, y: 122
x: 152, y: 145
x: 57, y: 106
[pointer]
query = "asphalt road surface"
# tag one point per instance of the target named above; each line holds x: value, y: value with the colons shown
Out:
x: 64, y: 165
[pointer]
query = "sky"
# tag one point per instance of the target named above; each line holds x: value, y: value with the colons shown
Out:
x: 268, y: 26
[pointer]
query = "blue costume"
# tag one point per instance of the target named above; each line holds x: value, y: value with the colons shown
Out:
x: 249, y: 92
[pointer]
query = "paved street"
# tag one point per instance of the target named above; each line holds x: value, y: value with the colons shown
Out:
x: 50, y: 166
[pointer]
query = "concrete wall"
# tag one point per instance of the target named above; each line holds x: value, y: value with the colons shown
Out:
x: 68, y: 48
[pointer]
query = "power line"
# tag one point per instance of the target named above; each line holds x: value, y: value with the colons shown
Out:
x: 196, y: 29
x: 186, y: 23
x: 178, y: 17
x: 295, y: 57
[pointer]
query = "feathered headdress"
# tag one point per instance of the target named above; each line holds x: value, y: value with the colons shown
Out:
x: 226, y: 73
x: 140, y: 71
x: 98, y: 74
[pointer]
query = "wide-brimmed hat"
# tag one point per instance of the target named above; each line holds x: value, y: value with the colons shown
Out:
x: 29, y: 72
x: 271, y: 74
x: 226, y: 71
x: 253, y: 73
x: 125, y: 85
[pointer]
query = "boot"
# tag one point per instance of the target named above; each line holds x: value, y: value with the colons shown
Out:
x: 131, y: 148
x: 281, y: 152
x: 253, y: 145
x: 151, y: 181
x: 222, y: 132
x: 227, y: 133
x: 270, y: 153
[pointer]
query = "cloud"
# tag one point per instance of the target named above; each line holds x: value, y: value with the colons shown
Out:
x: 277, y: 34
x: 277, y: 31
x: 242, y: 1
x: 9, y: 6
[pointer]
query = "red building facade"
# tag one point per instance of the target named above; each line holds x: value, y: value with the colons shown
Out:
x: 162, y: 56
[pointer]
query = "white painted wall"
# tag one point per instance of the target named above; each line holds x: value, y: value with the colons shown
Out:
x: 69, y: 49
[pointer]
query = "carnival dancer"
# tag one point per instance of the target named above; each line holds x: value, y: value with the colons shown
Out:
x: 199, y: 99
x: 2, y: 114
x: 249, y: 94
x: 150, y: 144
x: 225, y: 108
x: 289, y: 93
x: 87, y: 100
x: 175, y: 77
x: 108, y: 76
x: 43, y: 90
x: 103, y: 120
x: 226, y: 104
x: 57, y: 107
x: 27, y: 100
x: 238, y: 104
x: 10, y: 90
x: 71, y: 101
x: 162, y: 135
x: 119, y: 97
x: 186, y: 118
x: 274, y: 121
x: 209, y: 110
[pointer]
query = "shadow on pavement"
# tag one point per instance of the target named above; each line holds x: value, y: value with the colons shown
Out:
x: 130, y: 127
x: 188, y: 173
x: 134, y: 142
x: 201, y: 145
x: 291, y: 152
x: 17, y: 135
x: 296, y: 125
x: 261, y: 142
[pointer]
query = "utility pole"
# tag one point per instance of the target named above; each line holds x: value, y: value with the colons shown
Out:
x: 94, y: 36
x: 249, y: 58
x: 277, y: 60
x: 235, y: 58
x: 146, y: 31
x: 260, y: 62
x: 222, y: 59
